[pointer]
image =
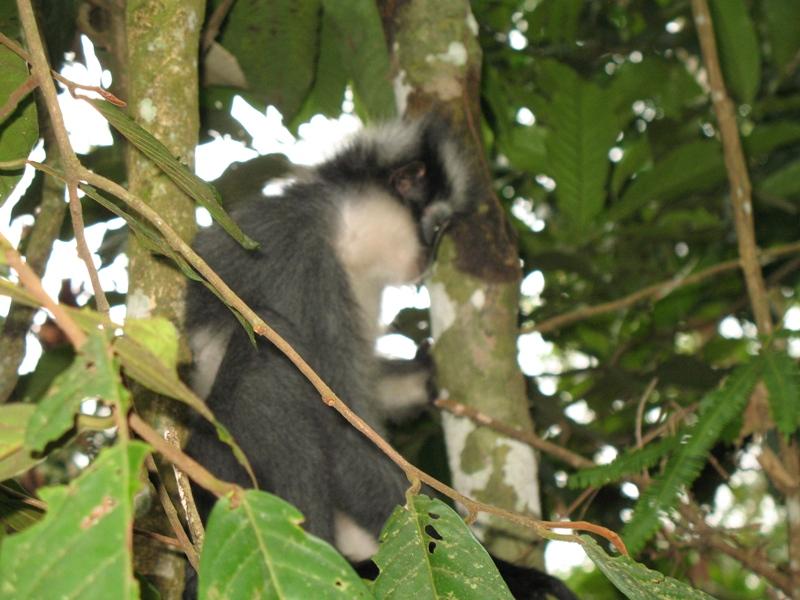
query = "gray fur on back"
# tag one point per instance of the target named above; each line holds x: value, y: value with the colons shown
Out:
x: 298, y: 282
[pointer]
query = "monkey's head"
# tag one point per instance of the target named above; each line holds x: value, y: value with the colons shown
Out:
x: 419, y: 163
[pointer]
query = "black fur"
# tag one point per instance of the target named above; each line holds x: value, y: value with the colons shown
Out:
x: 299, y: 284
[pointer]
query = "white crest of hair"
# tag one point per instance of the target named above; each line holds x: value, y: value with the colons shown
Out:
x: 391, y: 140
x: 378, y: 245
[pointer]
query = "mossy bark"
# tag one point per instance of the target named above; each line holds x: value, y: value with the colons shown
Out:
x: 163, y: 39
x: 474, y: 285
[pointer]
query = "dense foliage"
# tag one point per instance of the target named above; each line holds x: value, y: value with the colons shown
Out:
x: 606, y: 150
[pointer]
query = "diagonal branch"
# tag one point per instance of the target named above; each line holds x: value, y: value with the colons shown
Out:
x: 40, y: 70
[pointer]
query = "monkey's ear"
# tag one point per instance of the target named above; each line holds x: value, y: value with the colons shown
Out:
x: 409, y: 181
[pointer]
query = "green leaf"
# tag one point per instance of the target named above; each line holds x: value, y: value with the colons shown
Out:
x: 427, y: 551
x: 331, y: 77
x: 767, y: 137
x: 362, y: 48
x: 191, y: 184
x: 782, y: 18
x: 158, y: 335
x: 82, y: 547
x: 717, y: 409
x: 15, y: 513
x: 636, y: 155
x: 93, y: 374
x: 276, y: 44
x: 14, y: 457
x: 143, y: 366
x: 256, y: 549
x: 667, y: 84
x: 782, y: 378
x: 783, y: 182
x: 691, y: 168
x: 738, y: 48
x: 635, y: 580
x: 20, y: 130
x: 525, y: 148
x: 582, y: 131
x: 152, y: 240
x: 632, y: 461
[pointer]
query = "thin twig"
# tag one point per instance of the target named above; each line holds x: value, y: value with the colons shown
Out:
x: 40, y: 69
x: 164, y: 539
x: 33, y: 284
x: 185, y: 495
x: 198, y: 472
x: 657, y: 290
x: 15, y: 97
x: 172, y: 516
x: 71, y: 86
x: 528, y: 437
x: 215, y: 22
x: 736, y: 168
x: 640, y: 410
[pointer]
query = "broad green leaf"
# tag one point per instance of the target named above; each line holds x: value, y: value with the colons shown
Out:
x: 691, y: 168
x: 555, y: 20
x: 582, y: 131
x: 782, y: 378
x: 362, y: 48
x: 20, y: 130
x: 14, y: 457
x: 784, y: 182
x: 93, y: 374
x: 717, y: 409
x: 635, y: 580
x: 767, y: 137
x: 782, y: 18
x: 15, y: 513
x: 668, y: 85
x: 636, y: 155
x: 331, y: 77
x: 158, y: 335
x: 257, y: 549
x: 738, y: 48
x: 82, y: 547
x: 276, y: 44
x: 427, y: 551
x: 191, y: 184
x: 525, y: 148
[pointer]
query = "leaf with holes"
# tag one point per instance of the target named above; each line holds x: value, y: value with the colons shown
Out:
x: 427, y: 551
x: 82, y: 547
x: 94, y: 374
x: 256, y: 549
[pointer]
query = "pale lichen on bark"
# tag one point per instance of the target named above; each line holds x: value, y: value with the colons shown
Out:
x: 163, y: 38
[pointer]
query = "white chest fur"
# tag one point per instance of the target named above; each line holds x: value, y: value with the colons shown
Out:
x: 378, y: 244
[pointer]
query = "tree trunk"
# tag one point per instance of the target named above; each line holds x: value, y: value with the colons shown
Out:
x: 163, y: 38
x: 474, y: 285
